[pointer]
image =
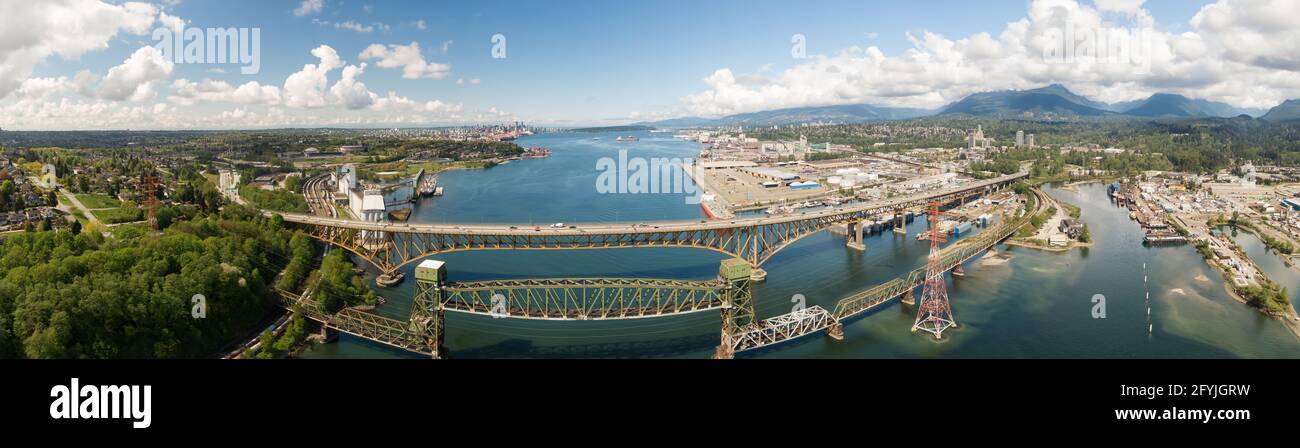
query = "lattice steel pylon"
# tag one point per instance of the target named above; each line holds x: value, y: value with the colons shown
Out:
x: 933, y: 313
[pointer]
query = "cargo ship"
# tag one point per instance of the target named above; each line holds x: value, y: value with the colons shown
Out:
x: 627, y: 139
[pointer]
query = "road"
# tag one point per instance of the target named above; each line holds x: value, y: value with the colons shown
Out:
x: 72, y: 199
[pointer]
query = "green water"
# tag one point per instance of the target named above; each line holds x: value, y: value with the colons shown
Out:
x: 1268, y: 261
x: 1036, y: 305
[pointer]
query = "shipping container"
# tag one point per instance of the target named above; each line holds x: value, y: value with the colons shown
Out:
x: 961, y: 229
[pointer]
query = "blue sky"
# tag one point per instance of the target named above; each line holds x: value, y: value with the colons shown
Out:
x: 595, y: 62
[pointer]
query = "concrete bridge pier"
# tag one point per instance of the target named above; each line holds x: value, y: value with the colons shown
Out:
x: 855, y: 236
x: 328, y: 334
x: 900, y: 224
x: 836, y: 331
x: 390, y: 279
x: 909, y: 298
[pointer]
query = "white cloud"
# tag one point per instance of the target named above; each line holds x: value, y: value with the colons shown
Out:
x: 309, y: 7
x: 134, y: 79
x: 1260, y: 33
x: 185, y: 92
x: 446, y: 46
x: 176, y: 24
x: 392, y: 102
x: 1124, y: 6
x: 408, y: 58
x: 1241, y: 52
x: 354, y: 26
x: 419, y: 24
x: 32, y: 31
x: 306, y: 87
x: 350, y: 92
x: 41, y: 88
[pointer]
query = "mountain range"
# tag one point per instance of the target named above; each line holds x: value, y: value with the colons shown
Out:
x: 1289, y: 110
x: 841, y: 114
x: 1052, y: 101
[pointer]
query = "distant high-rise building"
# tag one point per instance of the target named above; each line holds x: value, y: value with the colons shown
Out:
x: 1020, y: 138
x: 1029, y: 140
x: 976, y: 139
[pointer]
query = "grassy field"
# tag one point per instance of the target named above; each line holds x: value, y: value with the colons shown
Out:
x: 118, y: 215
x: 95, y: 200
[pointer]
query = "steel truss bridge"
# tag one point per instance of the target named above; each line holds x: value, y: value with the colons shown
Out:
x: 543, y: 299
x: 391, y: 246
x: 628, y: 298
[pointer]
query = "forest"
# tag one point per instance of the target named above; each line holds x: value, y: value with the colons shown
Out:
x: 129, y: 295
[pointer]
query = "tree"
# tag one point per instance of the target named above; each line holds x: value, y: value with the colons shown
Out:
x: 165, y: 215
x: 75, y: 227
x: 132, y: 293
x: 339, y: 285
x: 7, y: 191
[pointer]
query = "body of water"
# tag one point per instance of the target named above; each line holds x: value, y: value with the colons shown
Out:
x: 1037, y: 305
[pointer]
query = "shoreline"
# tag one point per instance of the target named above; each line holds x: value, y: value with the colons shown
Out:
x: 1056, y: 249
x: 1291, y: 322
x: 1287, y: 259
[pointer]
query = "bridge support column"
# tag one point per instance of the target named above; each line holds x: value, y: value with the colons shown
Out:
x: 836, y: 331
x: 426, y: 309
x: 390, y: 279
x: 909, y: 298
x: 737, y: 306
x: 900, y: 224
x: 854, y: 236
x: 328, y: 334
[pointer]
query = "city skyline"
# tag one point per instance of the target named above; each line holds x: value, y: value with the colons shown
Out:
x: 378, y: 64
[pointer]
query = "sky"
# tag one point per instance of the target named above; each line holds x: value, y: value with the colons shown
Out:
x: 101, y: 64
